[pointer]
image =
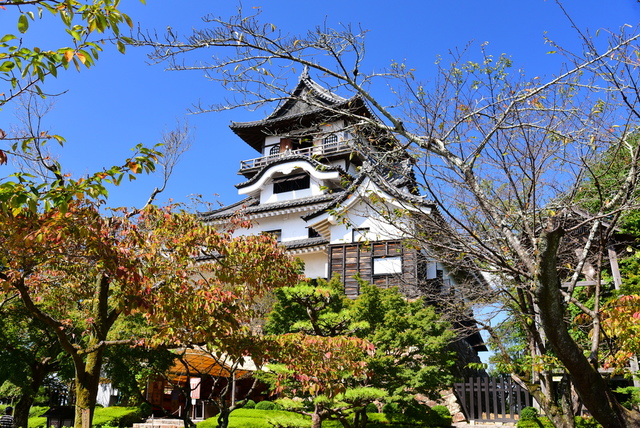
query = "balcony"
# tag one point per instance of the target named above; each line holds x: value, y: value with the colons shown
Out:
x: 316, y: 151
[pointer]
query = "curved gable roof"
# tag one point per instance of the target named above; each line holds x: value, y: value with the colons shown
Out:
x: 309, y: 103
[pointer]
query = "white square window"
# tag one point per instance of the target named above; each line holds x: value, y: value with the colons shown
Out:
x: 360, y: 234
x: 387, y: 265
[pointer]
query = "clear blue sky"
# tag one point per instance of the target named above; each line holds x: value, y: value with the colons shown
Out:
x: 124, y: 101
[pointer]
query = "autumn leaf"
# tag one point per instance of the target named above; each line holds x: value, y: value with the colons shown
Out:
x: 81, y: 57
x: 68, y: 55
x: 134, y: 167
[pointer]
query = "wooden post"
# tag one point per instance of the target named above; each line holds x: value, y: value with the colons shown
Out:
x: 86, y: 415
x: 615, y: 270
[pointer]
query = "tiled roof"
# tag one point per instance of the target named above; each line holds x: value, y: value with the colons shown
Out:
x: 309, y: 103
x: 304, y: 243
x: 253, y: 206
x: 229, y: 210
x: 307, y: 98
x: 392, y: 186
x: 340, y: 198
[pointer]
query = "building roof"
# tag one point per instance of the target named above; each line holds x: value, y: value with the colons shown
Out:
x: 308, y: 243
x: 198, y: 362
x: 252, y: 206
x: 308, y: 104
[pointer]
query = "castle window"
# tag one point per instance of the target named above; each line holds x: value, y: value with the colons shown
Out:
x: 291, y: 182
x: 274, y: 150
x: 387, y: 265
x: 359, y: 234
x: 276, y: 233
x: 313, y: 233
x: 331, y: 139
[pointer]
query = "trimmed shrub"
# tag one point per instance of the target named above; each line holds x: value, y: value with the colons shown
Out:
x: 35, y: 420
x: 391, y: 409
x: 540, y: 422
x: 416, y: 411
x: 587, y: 422
x: 372, y: 408
x: 528, y: 414
x: 438, y: 416
x: 146, y: 409
x: 250, y: 404
x: 266, y: 405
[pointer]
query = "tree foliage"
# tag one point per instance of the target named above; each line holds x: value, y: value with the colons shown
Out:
x: 408, y: 346
x: 78, y: 271
x: 501, y: 154
x: 86, y: 24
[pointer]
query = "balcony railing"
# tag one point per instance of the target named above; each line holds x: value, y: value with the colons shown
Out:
x: 320, y: 150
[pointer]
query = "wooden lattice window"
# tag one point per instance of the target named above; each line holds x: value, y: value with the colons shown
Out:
x: 291, y: 182
x: 330, y: 139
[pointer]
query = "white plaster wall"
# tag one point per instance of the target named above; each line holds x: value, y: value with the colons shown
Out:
x: 270, y: 141
x: 362, y: 216
x: 105, y: 392
x: 292, y: 226
x: 315, y: 264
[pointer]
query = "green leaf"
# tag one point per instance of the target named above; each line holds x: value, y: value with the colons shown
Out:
x: 7, y: 66
x: 23, y: 24
x: 7, y: 37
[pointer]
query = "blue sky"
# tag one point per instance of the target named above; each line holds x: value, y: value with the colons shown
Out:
x: 123, y: 101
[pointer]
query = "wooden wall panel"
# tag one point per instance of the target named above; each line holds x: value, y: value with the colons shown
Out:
x: 348, y: 260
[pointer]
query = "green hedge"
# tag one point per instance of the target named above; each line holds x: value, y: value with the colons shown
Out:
x: 103, y: 416
x: 254, y: 418
x: 267, y: 405
x: 543, y: 422
x: 116, y: 416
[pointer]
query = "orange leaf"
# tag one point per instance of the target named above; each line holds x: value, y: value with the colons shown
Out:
x: 68, y: 55
x: 134, y: 167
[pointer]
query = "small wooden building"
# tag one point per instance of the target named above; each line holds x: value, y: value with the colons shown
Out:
x: 198, y: 376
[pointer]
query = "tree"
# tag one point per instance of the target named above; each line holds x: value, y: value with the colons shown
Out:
x: 131, y: 368
x: 410, y: 341
x: 221, y: 362
x: 78, y: 271
x: 501, y: 155
x: 29, y: 354
x: 23, y: 71
x: 323, y: 370
x: 87, y: 23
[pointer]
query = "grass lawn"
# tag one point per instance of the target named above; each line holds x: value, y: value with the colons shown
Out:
x: 102, y: 416
x: 254, y: 418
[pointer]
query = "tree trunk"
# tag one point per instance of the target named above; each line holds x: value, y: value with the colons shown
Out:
x: 87, y: 382
x: 316, y: 420
x: 223, y: 418
x: 317, y: 416
x: 593, y: 390
x: 39, y: 371
x: 21, y: 412
x: 360, y: 418
x: 556, y: 415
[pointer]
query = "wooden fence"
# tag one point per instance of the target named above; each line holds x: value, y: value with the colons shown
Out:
x: 492, y: 398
